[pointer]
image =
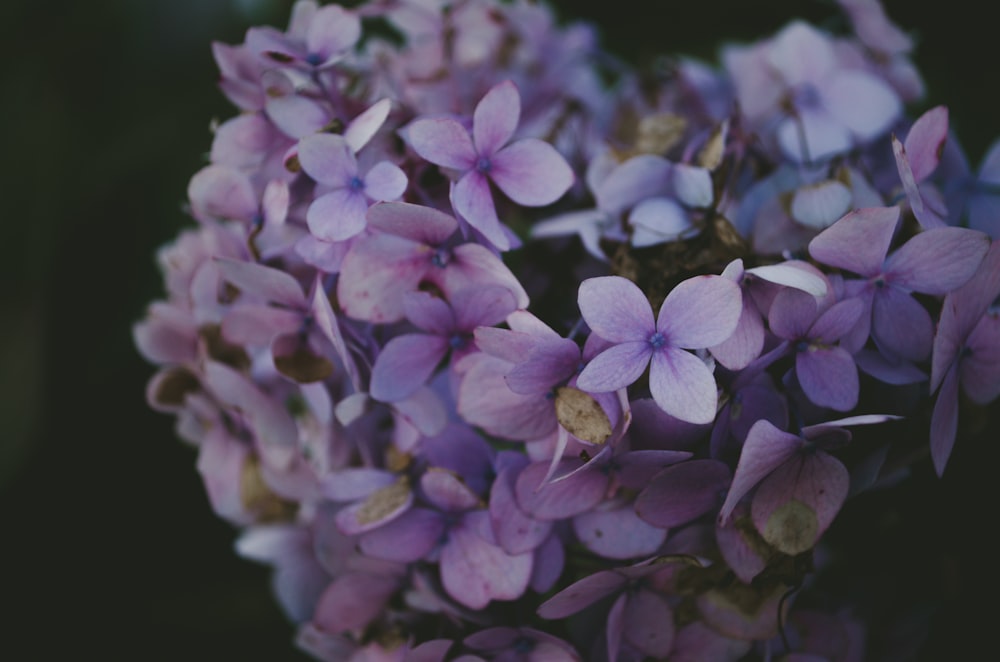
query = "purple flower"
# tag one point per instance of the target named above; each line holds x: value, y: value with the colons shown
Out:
x: 698, y: 313
x: 917, y: 158
x: 935, y: 261
x: 530, y: 172
x: 339, y: 213
x: 317, y: 37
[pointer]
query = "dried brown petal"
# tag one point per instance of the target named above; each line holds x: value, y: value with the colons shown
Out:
x: 384, y: 501
x: 582, y: 416
x: 258, y: 498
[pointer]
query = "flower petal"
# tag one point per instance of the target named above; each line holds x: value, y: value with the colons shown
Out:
x: 474, y: 572
x: 938, y: 260
x: 442, y: 141
x: 858, y: 242
x: 683, y: 386
x: 385, y: 181
x: 531, y: 173
x: 495, y: 118
x: 700, y: 312
x: 338, y: 215
x: 615, y: 368
x: 828, y: 377
x: 615, y: 309
x: 473, y: 200
x: 405, y: 364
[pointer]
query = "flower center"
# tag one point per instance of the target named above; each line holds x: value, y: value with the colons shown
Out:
x: 483, y: 165
x: 458, y: 341
x: 315, y: 59
x: 356, y: 184
x: 440, y: 258
x: 657, y: 340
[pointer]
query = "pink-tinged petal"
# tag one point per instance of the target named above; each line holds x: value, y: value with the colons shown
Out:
x: 221, y: 462
x: 638, y: 178
x: 506, y: 344
x: 560, y: 499
x: 683, y: 386
x: 944, y: 420
x: 739, y: 544
x: 447, y: 491
x: 837, y: 320
x: 423, y: 410
x: 414, y: 222
x: 818, y: 206
x: 411, y: 536
x: 795, y: 505
x: 353, y: 601
x: 331, y: 32
x: 251, y: 324
x: 925, y: 142
x: 615, y: 368
x: 938, y: 260
x: 858, y: 242
x: 222, y: 192
x: 265, y: 282
x: 168, y: 335
x: 385, y: 181
x: 338, y: 215
x: 241, y: 141
x: 617, y: 533
x: 428, y: 312
x: 485, y: 401
x: 363, y: 127
x: 496, y: 117
x: 582, y: 594
x: 616, y: 309
x: 745, y: 343
x: 790, y: 275
x: 376, y: 273
x: 405, y: 364
x: 649, y: 624
x: 825, y: 137
x: 473, y: 200
x: 531, y: 173
x: 901, y: 326
x: 515, y: 531
x: 297, y: 116
x: 474, y: 265
x: 700, y: 312
x: 327, y: 159
x: 866, y: 120
x: 482, y: 306
x: 828, y: 377
x: 355, y: 483
x: 766, y: 447
x: 683, y: 492
x: 442, y: 141
x: 474, y: 572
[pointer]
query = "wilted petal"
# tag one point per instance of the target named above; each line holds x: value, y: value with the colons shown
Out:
x: 496, y: 117
x: 683, y: 386
x: 531, y: 173
x: 700, y: 312
x: 615, y: 309
x: 766, y: 447
x: 442, y: 141
x: 697, y: 642
x: 447, y: 491
x: 741, y: 546
x: 798, y: 501
x: 858, y: 242
x: 405, y: 364
x: 938, y: 260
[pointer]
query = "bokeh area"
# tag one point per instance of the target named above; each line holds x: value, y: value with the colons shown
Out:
x: 108, y: 547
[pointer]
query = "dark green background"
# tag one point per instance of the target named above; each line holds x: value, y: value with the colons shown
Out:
x: 108, y: 549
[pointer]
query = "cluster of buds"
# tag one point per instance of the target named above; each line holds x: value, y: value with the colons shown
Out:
x: 497, y: 349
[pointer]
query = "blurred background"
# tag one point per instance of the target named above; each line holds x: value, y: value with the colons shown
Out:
x: 108, y: 547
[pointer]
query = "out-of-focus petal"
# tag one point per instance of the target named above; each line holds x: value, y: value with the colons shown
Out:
x: 766, y: 447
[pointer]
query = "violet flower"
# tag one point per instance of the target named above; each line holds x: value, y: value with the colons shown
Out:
x: 530, y: 172
x: 698, y: 313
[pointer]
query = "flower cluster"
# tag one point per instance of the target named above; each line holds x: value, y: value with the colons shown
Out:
x: 497, y: 350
